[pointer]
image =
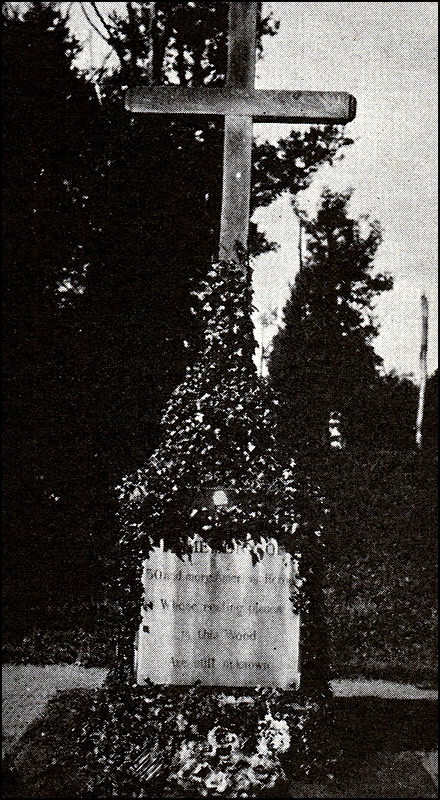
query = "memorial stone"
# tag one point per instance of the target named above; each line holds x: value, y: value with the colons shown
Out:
x: 221, y: 618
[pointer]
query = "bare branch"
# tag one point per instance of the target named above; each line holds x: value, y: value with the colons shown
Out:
x: 99, y: 71
x: 102, y: 20
x: 93, y: 25
x: 112, y: 39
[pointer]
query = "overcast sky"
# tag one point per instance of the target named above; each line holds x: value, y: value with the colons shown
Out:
x: 385, y: 55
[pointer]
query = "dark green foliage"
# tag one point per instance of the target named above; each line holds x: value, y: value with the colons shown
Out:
x: 387, y: 418
x: 67, y: 646
x: 81, y: 632
x: 219, y: 429
x: 289, y: 165
x: 380, y: 590
x: 381, y: 584
x: 48, y: 137
x: 323, y: 358
x: 87, y: 743
x: 125, y: 212
x: 187, y: 38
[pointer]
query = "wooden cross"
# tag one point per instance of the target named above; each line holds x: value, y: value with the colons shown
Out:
x: 240, y: 103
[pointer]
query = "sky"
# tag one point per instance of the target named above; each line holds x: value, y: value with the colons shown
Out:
x: 385, y: 54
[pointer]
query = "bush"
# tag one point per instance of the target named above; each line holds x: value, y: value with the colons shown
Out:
x: 79, y: 633
x: 381, y: 581
x: 381, y: 625
x: 61, y: 647
x: 108, y: 742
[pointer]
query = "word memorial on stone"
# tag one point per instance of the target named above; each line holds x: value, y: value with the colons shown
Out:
x: 225, y: 619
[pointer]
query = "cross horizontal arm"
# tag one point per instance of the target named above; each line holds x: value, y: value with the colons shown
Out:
x: 263, y: 105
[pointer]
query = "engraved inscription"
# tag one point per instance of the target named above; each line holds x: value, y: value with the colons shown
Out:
x: 219, y: 618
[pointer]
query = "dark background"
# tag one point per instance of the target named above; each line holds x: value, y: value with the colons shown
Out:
x: 109, y: 223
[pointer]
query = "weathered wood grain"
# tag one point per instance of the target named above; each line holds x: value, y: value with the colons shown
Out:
x: 237, y: 147
x: 242, y: 27
x: 236, y: 194
x: 262, y: 105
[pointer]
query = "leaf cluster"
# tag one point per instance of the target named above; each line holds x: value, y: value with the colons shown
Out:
x: 89, y: 743
x: 218, y: 430
x: 323, y: 358
x: 186, y: 41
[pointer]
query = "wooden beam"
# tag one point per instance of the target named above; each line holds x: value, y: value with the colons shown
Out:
x: 237, y: 147
x: 240, y: 104
x: 237, y: 160
x: 263, y: 105
x: 242, y: 46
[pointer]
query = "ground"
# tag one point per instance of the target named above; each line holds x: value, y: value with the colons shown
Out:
x: 26, y: 688
x: 386, y: 730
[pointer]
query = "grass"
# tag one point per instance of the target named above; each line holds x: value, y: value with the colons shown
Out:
x: 26, y: 689
x: 381, y: 775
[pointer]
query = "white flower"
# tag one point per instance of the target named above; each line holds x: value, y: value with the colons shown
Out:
x: 186, y: 752
x: 262, y: 748
x: 221, y: 736
x: 217, y: 781
x: 281, y: 741
x: 275, y: 733
x: 181, y: 722
x: 211, y: 737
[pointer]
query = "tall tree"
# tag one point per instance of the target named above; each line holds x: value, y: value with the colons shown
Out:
x: 323, y: 359
x: 48, y: 136
x: 121, y: 219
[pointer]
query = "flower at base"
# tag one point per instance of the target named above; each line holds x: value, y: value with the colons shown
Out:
x: 181, y: 722
x: 217, y: 781
x: 281, y: 742
x: 274, y: 734
x: 262, y: 747
x: 261, y: 772
x: 186, y: 752
x: 221, y: 737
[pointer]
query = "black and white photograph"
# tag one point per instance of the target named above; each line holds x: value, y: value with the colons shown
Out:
x: 220, y: 381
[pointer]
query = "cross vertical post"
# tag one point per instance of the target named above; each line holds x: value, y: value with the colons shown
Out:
x: 237, y: 149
